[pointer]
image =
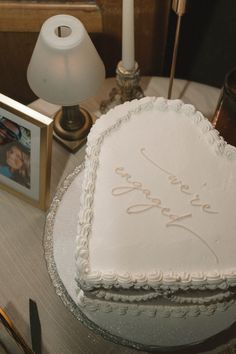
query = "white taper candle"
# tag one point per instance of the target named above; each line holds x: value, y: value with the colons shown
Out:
x: 128, y: 60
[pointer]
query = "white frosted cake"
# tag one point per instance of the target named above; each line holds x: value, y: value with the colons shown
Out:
x: 156, y: 227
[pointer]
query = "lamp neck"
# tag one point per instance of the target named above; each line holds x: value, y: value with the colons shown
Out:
x: 72, y: 118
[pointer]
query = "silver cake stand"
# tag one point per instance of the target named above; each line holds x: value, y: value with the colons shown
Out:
x: 165, y: 334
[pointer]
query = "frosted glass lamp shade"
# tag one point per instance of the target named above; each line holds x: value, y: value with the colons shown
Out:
x: 65, y: 68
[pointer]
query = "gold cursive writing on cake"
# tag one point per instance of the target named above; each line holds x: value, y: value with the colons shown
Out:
x: 195, y: 200
x: 172, y: 219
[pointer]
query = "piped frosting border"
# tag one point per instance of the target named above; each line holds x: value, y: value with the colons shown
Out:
x: 160, y: 310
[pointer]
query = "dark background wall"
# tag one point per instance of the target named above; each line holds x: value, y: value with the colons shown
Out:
x: 20, y: 23
x: 207, y: 48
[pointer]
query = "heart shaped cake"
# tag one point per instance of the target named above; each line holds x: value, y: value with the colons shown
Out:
x: 157, y: 219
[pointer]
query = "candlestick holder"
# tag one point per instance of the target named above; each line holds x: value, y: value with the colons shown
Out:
x: 127, y: 89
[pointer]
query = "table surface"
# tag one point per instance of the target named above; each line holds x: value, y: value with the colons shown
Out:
x: 23, y: 271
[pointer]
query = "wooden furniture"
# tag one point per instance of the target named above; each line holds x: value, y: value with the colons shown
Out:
x: 23, y: 272
x: 20, y: 22
x: 206, y: 51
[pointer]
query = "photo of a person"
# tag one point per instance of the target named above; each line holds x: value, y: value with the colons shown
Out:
x: 25, y: 152
x: 9, y: 131
x: 15, y: 163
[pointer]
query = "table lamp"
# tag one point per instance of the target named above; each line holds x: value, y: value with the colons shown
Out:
x: 65, y: 69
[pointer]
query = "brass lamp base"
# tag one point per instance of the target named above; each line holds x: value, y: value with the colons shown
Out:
x: 71, y: 127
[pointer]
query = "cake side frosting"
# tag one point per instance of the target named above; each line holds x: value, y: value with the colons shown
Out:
x: 162, y: 308
x: 90, y: 277
x: 190, y: 297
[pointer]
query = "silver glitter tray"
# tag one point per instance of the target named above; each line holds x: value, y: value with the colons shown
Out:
x: 53, y: 272
x: 59, y: 246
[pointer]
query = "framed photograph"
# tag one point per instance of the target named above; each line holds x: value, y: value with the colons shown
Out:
x: 25, y: 152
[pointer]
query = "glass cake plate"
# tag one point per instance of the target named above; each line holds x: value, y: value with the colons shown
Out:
x: 143, y: 332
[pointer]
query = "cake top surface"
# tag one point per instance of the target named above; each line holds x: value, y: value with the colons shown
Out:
x: 157, y: 208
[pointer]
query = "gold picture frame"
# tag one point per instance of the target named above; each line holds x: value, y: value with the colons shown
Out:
x: 25, y: 152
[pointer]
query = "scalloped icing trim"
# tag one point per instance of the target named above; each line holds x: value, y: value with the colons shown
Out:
x: 157, y: 280
x: 182, y: 299
x: 164, y: 311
